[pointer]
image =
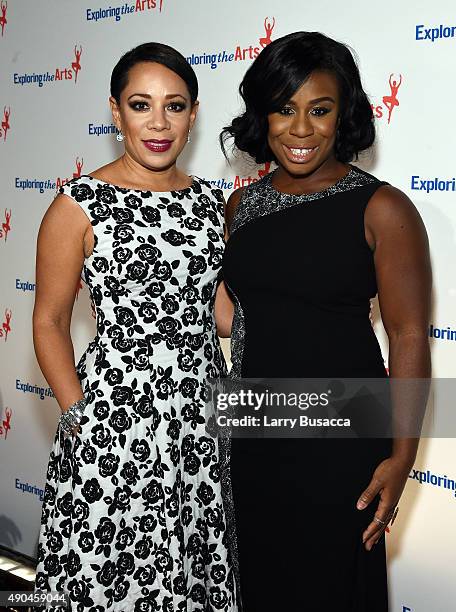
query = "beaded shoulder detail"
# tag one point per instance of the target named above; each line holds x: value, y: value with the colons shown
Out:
x: 261, y: 198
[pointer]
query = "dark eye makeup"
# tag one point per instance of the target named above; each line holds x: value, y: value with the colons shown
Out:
x: 317, y: 111
x: 175, y: 107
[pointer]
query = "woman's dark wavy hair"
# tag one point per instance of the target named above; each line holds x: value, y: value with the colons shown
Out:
x: 276, y: 74
x: 153, y: 52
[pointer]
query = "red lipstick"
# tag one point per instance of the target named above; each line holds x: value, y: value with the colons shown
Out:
x: 157, y: 146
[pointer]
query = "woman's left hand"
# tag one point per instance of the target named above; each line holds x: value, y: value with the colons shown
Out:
x: 389, y: 481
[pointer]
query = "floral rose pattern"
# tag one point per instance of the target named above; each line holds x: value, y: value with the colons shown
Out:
x: 132, y: 518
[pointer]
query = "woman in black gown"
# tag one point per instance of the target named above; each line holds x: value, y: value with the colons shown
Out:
x: 309, y: 246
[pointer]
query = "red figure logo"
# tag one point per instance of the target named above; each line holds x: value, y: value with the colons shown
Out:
x: 76, y: 65
x: 6, y: 225
x: 5, y: 121
x: 79, y: 165
x: 263, y: 171
x: 6, y: 327
x: 3, y: 21
x: 268, y: 27
x: 391, y: 101
x: 6, y: 423
x: 78, y: 288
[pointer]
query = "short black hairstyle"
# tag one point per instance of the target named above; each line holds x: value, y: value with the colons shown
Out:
x: 153, y: 52
x: 278, y: 72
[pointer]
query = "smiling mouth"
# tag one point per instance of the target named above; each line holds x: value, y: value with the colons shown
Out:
x: 301, y: 153
x: 157, y: 146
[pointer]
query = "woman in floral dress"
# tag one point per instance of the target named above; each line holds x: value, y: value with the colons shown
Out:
x: 132, y: 517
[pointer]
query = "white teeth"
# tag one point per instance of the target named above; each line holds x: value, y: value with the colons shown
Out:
x: 301, y: 152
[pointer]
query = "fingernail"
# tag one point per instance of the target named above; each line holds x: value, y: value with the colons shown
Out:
x: 360, y: 505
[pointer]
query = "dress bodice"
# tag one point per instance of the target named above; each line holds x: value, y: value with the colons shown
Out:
x: 302, y: 276
x: 152, y: 273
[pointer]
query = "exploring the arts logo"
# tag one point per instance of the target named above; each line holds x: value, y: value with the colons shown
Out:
x: 147, y: 5
x: 390, y: 101
x: 5, y: 123
x: 244, y: 181
x: 68, y: 72
x: 433, y: 33
x: 79, y: 165
x: 127, y: 8
x: 102, y: 129
x: 435, y: 480
x: 268, y: 26
x: 442, y: 333
x: 76, y: 173
x: 241, y: 180
x: 435, y: 183
x: 241, y: 52
x: 6, y: 225
x: 252, y: 51
x: 76, y: 65
x: 26, y: 487
x: 79, y: 286
x: 5, y: 329
x: 5, y: 423
x: 3, y: 20
x: 43, y: 185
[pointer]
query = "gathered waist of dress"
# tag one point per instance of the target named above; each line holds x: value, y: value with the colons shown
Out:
x: 187, y: 352
x: 176, y: 341
x: 203, y: 345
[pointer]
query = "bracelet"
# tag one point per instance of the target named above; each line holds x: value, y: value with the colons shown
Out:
x: 72, y: 417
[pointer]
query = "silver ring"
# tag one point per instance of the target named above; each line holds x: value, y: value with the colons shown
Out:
x: 379, y: 521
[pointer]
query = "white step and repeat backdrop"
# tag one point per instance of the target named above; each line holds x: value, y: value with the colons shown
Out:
x: 56, y: 58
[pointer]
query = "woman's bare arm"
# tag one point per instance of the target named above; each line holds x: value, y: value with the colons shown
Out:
x: 403, y: 269
x: 60, y: 256
x: 402, y: 263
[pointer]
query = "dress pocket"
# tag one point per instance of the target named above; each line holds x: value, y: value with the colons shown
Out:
x: 85, y: 369
x: 86, y: 363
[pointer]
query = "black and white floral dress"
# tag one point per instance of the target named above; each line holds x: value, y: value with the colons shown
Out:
x: 132, y: 518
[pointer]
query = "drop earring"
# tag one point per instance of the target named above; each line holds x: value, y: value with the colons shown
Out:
x: 119, y: 136
x: 188, y: 136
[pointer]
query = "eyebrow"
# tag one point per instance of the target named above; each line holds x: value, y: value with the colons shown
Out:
x: 317, y: 100
x: 168, y: 97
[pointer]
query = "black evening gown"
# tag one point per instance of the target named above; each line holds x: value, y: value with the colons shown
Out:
x: 302, y: 275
